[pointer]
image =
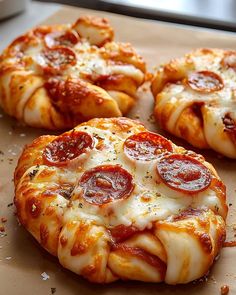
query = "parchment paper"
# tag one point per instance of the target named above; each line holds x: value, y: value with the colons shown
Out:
x: 22, y: 261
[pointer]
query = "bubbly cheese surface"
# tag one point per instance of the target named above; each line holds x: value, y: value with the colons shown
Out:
x: 151, y: 200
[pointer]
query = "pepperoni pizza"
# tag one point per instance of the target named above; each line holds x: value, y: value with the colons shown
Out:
x: 60, y: 75
x: 195, y: 99
x: 115, y: 201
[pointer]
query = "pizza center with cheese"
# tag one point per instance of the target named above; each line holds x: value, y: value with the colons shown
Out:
x: 112, y: 196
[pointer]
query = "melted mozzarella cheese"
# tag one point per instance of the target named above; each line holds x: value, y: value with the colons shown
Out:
x: 89, y: 62
x: 150, y: 201
x: 218, y: 103
x: 84, y: 241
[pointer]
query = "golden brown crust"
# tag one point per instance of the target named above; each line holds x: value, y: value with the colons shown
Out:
x: 49, y: 205
x: 31, y: 155
x: 58, y: 76
x: 194, y: 94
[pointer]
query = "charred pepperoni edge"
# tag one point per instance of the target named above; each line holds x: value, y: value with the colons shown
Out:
x: 121, y: 232
x: 161, y: 143
x: 72, y: 135
x: 61, y: 50
x: 194, y: 84
x: 52, y: 37
x: 144, y: 255
x: 125, y: 192
x: 167, y: 167
x: 225, y: 60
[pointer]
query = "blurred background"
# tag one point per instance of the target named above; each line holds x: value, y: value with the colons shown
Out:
x: 218, y: 14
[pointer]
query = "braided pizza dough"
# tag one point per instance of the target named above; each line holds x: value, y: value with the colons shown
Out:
x: 114, y: 201
x: 195, y: 99
x: 60, y: 75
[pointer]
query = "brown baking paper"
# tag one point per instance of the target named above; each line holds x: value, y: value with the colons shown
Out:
x: 22, y: 261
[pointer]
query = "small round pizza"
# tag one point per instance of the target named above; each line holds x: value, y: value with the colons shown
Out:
x: 58, y: 76
x: 115, y: 201
x: 195, y: 99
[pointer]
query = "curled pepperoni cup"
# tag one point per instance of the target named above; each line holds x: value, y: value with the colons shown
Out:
x: 205, y: 81
x: 67, y: 147
x: 229, y: 60
x: 67, y: 38
x: 57, y: 59
x: 104, y: 184
x: 146, y: 146
x: 183, y: 173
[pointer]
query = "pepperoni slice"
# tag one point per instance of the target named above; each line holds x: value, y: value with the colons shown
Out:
x: 67, y: 147
x: 184, y: 173
x: 67, y: 38
x: 229, y: 60
x: 104, y: 184
x: 146, y: 146
x: 205, y: 81
x: 57, y: 59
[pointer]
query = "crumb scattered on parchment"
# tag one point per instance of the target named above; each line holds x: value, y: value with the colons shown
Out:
x: 53, y: 290
x: 212, y: 279
x: 201, y: 280
x: 224, y: 290
x: 8, y: 258
x: 3, y: 234
x: 45, y: 276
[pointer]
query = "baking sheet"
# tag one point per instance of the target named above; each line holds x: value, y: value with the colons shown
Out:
x: 22, y: 261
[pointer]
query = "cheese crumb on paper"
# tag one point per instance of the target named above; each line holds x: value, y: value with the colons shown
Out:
x: 45, y: 276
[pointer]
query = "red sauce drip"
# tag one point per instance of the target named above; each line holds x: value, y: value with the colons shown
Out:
x: 145, y: 256
x: 121, y: 232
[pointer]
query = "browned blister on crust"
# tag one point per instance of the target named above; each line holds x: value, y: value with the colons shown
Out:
x: 57, y: 76
x: 115, y: 201
x: 195, y: 99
